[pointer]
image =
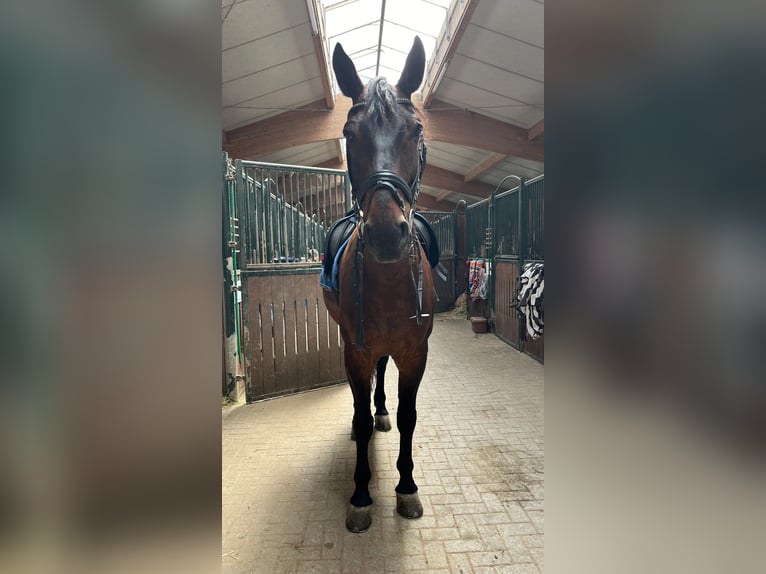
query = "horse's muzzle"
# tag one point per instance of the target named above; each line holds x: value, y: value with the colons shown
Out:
x: 387, y: 243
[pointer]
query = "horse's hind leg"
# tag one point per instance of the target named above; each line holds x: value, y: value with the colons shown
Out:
x: 410, y: 373
x: 382, y: 420
x: 359, y: 516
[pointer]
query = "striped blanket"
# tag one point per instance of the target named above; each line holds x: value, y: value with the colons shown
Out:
x: 529, y: 298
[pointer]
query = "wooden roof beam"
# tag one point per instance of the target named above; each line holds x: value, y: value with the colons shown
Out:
x: 426, y: 202
x: 488, y: 163
x: 308, y: 124
x: 454, y: 125
x: 433, y: 176
x: 453, y: 182
x: 318, y: 35
x: 536, y: 131
x: 313, y: 123
x: 446, y: 44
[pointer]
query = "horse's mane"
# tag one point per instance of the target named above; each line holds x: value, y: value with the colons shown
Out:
x: 380, y: 101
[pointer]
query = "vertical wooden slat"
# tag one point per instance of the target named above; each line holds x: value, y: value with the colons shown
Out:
x: 325, y: 361
x: 247, y: 336
x: 291, y: 356
x: 267, y: 321
x: 277, y: 296
x: 301, y: 327
x: 336, y: 352
x: 313, y: 354
x: 260, y: 326
x: 256, y: 346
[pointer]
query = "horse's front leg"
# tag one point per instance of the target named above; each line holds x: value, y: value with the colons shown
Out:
x: 411, y: 370
x: 382, y: 420
x: 359, y: 370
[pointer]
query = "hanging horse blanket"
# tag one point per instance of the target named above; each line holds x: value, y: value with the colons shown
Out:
x: 477, y: 279
x: 528, y: 299
x: 340, y: 233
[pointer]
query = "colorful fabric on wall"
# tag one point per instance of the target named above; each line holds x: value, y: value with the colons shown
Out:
x: 477, y: 279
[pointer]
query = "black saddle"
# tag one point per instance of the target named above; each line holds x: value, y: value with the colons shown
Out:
x: 344, y: 227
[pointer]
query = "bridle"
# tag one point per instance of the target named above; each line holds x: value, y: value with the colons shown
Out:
x: 394, y: 183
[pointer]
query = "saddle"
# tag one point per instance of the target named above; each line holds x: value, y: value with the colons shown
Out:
x: 342, y: 229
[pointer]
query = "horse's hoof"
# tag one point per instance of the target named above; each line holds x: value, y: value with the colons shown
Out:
x: 358, y: 518
x: 408, y: 505
x: 382, y: 423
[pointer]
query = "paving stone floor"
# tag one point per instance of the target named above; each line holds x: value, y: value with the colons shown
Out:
x: 478, y: 450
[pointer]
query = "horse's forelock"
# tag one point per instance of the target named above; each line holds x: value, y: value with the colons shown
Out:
x: 381, y: 100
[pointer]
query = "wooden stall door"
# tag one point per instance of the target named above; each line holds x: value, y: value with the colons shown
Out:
x: 291, y: 343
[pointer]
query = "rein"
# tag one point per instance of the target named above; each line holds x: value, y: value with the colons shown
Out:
x: 392, y: 182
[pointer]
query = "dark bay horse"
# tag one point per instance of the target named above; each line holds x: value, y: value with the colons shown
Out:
x: 385, y: 298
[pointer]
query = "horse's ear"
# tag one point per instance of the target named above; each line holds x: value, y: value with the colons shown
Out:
x: 345, y: 72
x: 413, y: 71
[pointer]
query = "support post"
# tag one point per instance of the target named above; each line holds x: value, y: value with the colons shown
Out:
x: 231, y: 239
x: 522, y: 230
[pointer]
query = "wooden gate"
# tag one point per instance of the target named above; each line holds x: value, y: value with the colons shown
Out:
x: 283, y: 213
x: 291, y: 343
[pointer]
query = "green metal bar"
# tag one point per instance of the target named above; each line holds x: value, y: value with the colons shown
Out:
x: 292, y: 168
x: 491, y: 232
x: 233, y: 219
x: 522, y: 253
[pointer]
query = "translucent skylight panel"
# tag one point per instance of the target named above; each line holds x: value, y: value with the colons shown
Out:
x: 331, y: 3
x: 356, y: 25
x: 349, y: 16
x: 357, y: 40
x: 424, y: 17
x: 368, y: 59
x: 392, y: 59
x: 401, y: 38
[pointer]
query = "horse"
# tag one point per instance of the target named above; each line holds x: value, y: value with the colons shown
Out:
x: 384, y: 299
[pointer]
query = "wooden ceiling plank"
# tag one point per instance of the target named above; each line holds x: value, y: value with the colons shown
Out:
x: 447, y: 44
x: 489, y: 162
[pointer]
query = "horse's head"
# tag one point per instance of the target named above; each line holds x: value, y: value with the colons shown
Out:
x: 384, y: 151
